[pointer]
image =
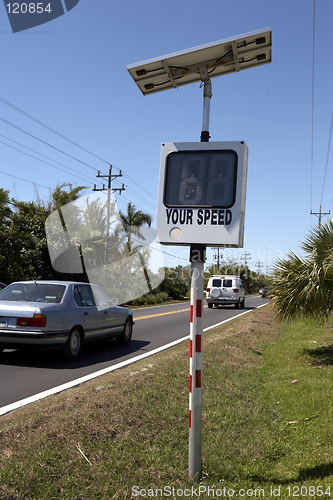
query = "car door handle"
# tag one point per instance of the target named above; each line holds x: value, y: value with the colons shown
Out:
x: 86, y: 314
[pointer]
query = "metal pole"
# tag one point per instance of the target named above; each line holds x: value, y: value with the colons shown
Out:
x: 197, y: 259
x: 207, y: 94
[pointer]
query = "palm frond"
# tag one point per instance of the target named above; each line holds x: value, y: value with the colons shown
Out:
x: 304, y: 286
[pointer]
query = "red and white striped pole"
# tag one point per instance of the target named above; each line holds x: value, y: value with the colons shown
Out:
x: 197, y: 258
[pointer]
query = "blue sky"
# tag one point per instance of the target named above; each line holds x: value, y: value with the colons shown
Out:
x: 71, y: 75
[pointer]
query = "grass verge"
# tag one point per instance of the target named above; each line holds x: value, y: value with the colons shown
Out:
x: 127, y: 432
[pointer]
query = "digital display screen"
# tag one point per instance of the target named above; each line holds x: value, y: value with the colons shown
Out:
x: 200, y: 179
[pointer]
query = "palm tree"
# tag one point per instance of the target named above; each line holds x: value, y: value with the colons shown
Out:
x: 130, y: 225
x: 304, y: 286
x: 4, y: 196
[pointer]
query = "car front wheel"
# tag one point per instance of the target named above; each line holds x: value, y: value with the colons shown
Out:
x: 73, y: 347
x: 126, y: 336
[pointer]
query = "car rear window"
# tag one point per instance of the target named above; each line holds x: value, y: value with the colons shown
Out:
x: 33, y: 292
x: 217, y: 282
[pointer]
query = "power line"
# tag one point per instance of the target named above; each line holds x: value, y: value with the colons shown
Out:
x: 38, y: 159
x: 69, y: 168
x: 24, y: 180
x: 44, y: 156
x: 139, y: 196
x: 50, y: 145
x: 49, y: 128
x: 141, y: 187
x: 16, y: 108
x: 44, y: 142
x: 313, y: 84
x: 328, y: 154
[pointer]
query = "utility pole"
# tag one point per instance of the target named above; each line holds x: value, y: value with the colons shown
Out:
x: 319, y: 214
x: 217, y: 258
x: 245, y: 255
x: 111, y: 177
x: 259, y: 265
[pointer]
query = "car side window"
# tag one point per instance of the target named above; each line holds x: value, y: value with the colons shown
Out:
x: 77, y: 297
x: 83, y: 296
x: 101, y: 297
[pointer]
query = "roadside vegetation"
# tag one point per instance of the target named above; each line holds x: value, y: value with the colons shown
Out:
x: 303, y: 286
x: 24, y: 253
x: 267, y: 412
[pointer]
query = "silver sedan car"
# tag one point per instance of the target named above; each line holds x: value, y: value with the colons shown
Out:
x: 60, y: 314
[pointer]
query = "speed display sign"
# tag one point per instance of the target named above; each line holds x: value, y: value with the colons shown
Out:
x: 202, y: 190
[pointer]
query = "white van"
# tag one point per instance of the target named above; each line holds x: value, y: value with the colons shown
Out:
x: 225, y: 290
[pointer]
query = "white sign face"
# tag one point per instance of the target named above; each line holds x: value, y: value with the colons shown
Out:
x: 201, y: 195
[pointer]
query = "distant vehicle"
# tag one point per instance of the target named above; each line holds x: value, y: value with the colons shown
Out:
x: 60, y: 315
x: 265, y: 291
x: 2, y: 285
x: 225, y: 290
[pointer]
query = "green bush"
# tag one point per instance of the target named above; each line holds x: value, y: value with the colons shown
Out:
x: 150, y: 299
x: 140, y: 301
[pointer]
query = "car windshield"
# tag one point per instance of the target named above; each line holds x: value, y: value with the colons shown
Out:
x: 33, y: 292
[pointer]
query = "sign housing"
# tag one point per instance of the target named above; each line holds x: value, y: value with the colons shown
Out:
x: 201, y: 195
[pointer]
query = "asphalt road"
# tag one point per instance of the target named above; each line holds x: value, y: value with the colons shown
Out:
x: 26, y: 373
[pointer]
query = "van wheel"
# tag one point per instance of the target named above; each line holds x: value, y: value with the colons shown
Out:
x: 237, y: 305
x: 243, y: 303
x: 210, y: 305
